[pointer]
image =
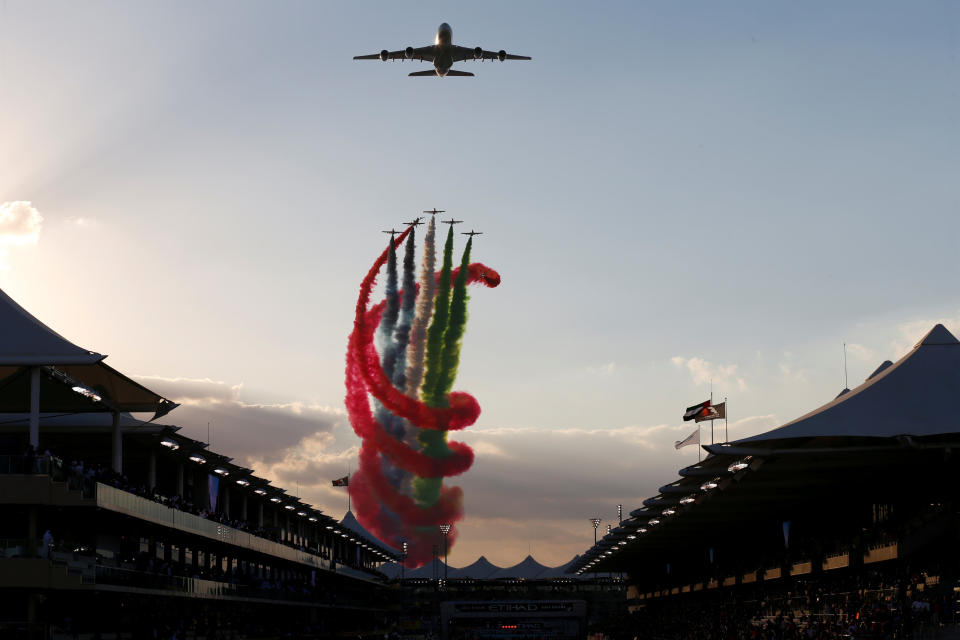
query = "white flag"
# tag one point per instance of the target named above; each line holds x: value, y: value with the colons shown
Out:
x: 693, y: 438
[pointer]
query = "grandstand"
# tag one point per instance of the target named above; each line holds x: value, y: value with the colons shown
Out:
x: 525, y: 600
x: 115, y: 526
x: 841, y: 523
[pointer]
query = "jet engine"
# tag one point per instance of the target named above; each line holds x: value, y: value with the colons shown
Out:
x: 384, y: 55
x: 408, y: 52
x: 501, y: 55
x: 477, y: 53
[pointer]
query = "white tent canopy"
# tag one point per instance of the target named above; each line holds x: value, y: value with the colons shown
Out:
x: 913, y: 397
x: 483, y: 569
x: 24, y: 340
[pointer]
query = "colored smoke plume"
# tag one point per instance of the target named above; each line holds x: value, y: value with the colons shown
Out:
x: 398, y: 490
x: 418, y: 332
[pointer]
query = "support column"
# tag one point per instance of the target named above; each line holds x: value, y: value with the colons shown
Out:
x: 32, y: 547
x: 226, y: 498
x: 35, y: 407
x: 260, y: 514
x: 243, y: 508
x: 180, y: 480
x: 152, y: 471
x: 117, y: 444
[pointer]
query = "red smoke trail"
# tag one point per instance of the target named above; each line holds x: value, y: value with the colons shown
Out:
x: 368, y: 487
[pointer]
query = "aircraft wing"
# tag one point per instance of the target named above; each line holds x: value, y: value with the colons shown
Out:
x: 424, y: 54
x: 466, y: 53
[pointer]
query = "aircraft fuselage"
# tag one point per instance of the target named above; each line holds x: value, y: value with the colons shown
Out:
x: 442, y: 59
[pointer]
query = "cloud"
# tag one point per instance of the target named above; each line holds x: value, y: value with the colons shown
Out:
x: 790, y: 371
x: 486, y: 449
x: 82, y: 222
x: 862, y: 353
x: 911, y: 332
x: 311, y: 464
x: 20, y: 223
x: 603, y: 370
x: 530, y: 489
x: 704, y: 372
x: 752, y: 425
x: 793, y: 375
x: 243, y: 430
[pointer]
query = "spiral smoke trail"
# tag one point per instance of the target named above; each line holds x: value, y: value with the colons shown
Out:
x: 444, y: 362
x: 387, y: 509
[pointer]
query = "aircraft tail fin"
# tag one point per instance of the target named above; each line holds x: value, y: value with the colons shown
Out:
x: 451, y: 72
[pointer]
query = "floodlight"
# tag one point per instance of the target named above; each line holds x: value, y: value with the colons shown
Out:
x: 87, y: 393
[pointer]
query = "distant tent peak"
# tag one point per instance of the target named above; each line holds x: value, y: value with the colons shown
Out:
x: 939, y: 335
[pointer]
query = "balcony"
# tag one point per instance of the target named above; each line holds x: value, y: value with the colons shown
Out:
x: 132, y: 505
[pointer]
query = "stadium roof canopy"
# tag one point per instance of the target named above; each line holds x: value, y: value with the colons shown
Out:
x: 75, y: 379
x: 872, y: 442
x: 482, y: 569
x: 913, y: 397
x: 350, y: 522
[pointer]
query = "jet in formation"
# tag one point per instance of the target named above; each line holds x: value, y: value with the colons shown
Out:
x: 451, y: 221
x: 433, y: 211
x: 443, y: 53
x: 472, y: 233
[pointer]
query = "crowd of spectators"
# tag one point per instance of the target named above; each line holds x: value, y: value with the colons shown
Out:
x: 84, y: 477
x: 865, y: 607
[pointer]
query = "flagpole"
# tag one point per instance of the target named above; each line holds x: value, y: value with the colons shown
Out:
x: 726, y: 421
x: 349, y: 505
x: 711, y: 404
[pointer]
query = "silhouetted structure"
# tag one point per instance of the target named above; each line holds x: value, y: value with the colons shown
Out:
x: 110, y: 524
x: 846, y: 515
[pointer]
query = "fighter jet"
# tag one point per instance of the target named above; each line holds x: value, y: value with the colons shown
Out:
x: 451, y: 221
x: 472, y: 233
x: 443, y: 53
x: 415, y: 222
x: 433, y: 212
x: 392, y: 232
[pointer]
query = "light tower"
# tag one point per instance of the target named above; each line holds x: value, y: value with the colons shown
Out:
x: 444, y: 529
x: 596, y: 524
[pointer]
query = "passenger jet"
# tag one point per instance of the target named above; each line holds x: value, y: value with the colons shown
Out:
x: 442, y: 54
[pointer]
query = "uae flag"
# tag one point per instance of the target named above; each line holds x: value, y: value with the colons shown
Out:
x: 696, y: 410
x: 693, y: 438
x: 342, y: 482
x: 713, y: 412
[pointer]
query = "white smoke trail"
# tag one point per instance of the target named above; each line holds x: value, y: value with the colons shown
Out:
x: 418, y: 331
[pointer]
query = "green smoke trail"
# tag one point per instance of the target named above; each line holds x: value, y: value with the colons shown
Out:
x: 426, y: 491
x: 450, y: 359
x: 438, y: 327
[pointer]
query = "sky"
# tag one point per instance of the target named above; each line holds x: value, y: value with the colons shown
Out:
x: 676, y: 195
